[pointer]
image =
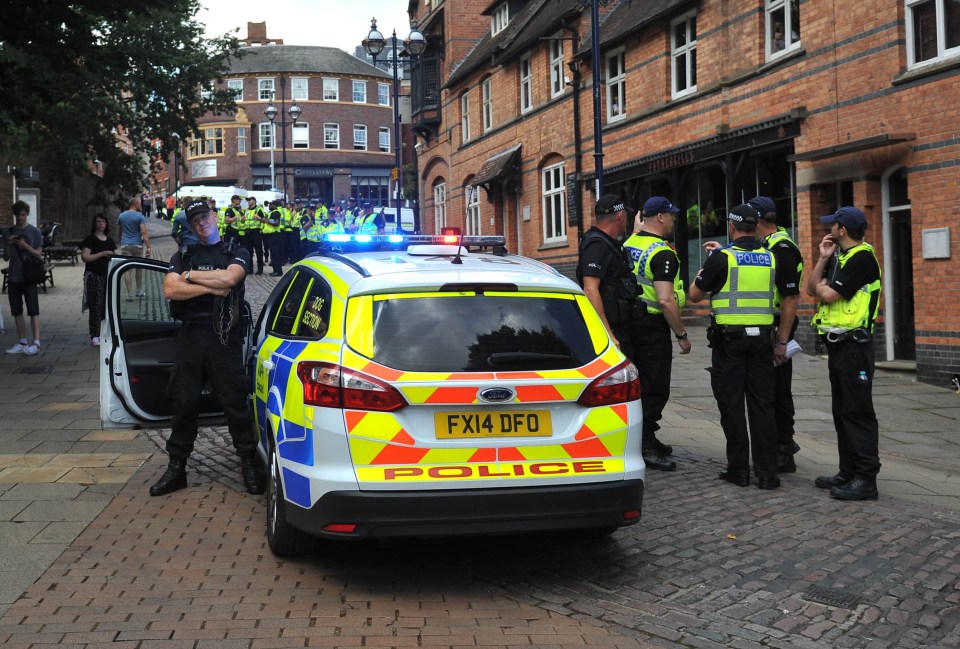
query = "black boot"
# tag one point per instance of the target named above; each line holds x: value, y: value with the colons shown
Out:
x: 857, y: 489
x: 657, y: 462
x: 253, y: 482
x: 174, y: 478
x: 785, y: 461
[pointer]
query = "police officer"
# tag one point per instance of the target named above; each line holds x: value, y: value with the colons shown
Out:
x: 231, y: 219
x: 846, y: 282
x: 273, y: 237
x: 789, y: 269
x: 367, y: 222
x: 740, y: 279
x: 656, y: 266
x: 350, y: 213
x: 605, y: 269
x: 205, y: 287
x: 309, y: 231
x: 253, y: 222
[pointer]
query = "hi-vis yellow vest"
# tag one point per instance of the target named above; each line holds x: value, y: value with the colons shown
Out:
x: 748, y: 294
x: 861, y: 310
x: 642, y: 248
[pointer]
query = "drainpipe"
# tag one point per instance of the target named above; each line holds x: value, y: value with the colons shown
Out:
x: 577, y: 139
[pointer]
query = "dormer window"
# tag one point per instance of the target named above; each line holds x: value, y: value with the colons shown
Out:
x: 499, y: 19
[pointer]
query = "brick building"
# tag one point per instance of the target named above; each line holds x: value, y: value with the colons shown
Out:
x: 816, y: 104
x: 341, y: 144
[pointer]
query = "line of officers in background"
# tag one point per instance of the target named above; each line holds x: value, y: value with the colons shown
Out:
x: 753, y: 284
x: 278, y: 233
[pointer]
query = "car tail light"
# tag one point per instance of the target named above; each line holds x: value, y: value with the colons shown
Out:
x: 618, y: 385
x: 341, y: 528
x: 331, y: 386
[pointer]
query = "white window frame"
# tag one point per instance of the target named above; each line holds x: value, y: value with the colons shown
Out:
x: 554, y: 194
x: 558, y: 81
x: 486, y: 110
x: 384, y: 142
x: 526, y: 84
x: 465, y: 117
x: 266, y: 89
x: 791, y: 32
x: 299, y: 89
x: 241, y: 140
x: 383, y: 94
x: 359, y: 129
x: 687, y: 52
x: 331, y: 86
x: 265, y: 136
x: 439, y: 207
x: 616, y: 84
x: 236, y: 87
x: 359, y: 90
x: 472, y: 200
x: 499, y: 19
x: 328, y: 128
x: 943, y: 52
x: 302, y: 142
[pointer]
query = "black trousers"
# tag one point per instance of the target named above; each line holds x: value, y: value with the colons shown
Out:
x: 274, y: 242
x: 200, y: 358
x: 743, y: 371
x: 783, y: 408
x: 851, y: 366
x: 651, y: 340
x: 252, y: 240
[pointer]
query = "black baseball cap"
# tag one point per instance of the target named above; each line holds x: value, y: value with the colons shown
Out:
x: 658, y: 205
x: 849, y: 217
x: 197, y: 208
x: 611, y: 203
x: 744, y: 213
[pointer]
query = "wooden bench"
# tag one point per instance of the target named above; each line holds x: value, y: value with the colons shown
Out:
x: 62, y: 253
x: 47, y: 279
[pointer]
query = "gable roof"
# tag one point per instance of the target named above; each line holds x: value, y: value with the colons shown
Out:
x: 631, y: 16
x: 301, y: 58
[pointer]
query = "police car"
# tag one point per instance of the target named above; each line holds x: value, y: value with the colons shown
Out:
x: 436, y: 385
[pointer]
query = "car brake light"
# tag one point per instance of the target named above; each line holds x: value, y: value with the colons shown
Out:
x: 618, y: 385
x: 341, y: 528
x: 331, y: 386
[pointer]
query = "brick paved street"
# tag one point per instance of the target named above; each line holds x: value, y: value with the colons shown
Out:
x: 709, y: 565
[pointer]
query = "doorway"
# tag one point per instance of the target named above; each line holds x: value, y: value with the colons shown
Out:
x: 898, y: 240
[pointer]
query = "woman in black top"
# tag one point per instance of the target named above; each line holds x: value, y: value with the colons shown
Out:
x: 96, y: 251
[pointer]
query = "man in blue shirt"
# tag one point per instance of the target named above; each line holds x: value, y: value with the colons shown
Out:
x: 134, y: 242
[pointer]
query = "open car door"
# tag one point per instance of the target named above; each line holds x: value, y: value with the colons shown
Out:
x: 138, y: 347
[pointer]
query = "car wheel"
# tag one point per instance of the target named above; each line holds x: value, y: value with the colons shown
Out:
x: 284, y: 539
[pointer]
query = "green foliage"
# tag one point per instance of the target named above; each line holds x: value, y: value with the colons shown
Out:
x: 410, y: 182
x: 105, y: 80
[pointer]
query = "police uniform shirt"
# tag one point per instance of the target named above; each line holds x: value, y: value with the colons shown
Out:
x: 663, y: 262
x: 599, y: 260
x: 378, y: 220
x: 713, y: 275
x: 208, y: 258
x: 788, y: 261
x: 861, y: 269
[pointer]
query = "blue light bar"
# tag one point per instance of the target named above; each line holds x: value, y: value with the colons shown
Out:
x: 401, y: 241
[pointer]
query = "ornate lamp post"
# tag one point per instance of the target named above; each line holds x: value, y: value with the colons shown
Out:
x: 414, y: 45
x: 271, y: 113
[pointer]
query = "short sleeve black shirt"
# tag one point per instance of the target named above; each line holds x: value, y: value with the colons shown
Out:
x: 860, y: 269
x: 664, y: 264
x: 788, y: 259
x: 599, y: 258
x: 713, y: 275
x: 98, y: 266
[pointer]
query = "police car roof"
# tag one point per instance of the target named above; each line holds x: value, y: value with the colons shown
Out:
x: 426, y: 265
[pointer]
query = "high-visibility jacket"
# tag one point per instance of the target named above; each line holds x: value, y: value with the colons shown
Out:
x: 350, y: 216
x: 773, y: 239
x: 322, y: 212
x: 329, y: 226
x: 221, y: 220
x: 365, y: 224
x: 251, y: 222
x: 273, y: 224
x: 642, y: 248
x: 859, y: 312
x: 748, y: 294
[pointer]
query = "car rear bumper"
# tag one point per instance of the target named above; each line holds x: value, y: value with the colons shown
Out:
x: 387, y: 514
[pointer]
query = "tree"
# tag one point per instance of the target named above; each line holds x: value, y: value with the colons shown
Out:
x: 105, y: 80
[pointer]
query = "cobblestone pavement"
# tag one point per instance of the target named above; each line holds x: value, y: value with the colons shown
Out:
x: 709, y: 564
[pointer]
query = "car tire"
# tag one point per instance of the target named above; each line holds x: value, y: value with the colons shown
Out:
x: 284, y: 539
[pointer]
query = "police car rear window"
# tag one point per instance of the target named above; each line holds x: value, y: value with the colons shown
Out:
x: 480, y: 332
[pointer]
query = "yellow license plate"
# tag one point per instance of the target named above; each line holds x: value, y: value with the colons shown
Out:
x: 516, y: 423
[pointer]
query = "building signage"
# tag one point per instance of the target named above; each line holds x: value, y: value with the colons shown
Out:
x: 203, y: 168
x: 313, y: 173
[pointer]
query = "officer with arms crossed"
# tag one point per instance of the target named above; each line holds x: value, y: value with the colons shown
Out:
x: 740, y: 279
x: 605, y: 270
x: 656, y: 266
x: 205, y: 287
x: 789, y: 269
x: 846, y: 283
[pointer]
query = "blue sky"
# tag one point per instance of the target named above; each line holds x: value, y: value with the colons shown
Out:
x: 332, y: 23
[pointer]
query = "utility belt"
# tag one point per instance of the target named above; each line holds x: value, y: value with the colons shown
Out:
x: 717, y: 333
x: 860, y: 335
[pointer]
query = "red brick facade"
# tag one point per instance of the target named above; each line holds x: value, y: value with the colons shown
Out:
x: 839, y: 115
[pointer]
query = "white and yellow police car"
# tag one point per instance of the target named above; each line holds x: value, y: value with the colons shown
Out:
x: 436, y: 385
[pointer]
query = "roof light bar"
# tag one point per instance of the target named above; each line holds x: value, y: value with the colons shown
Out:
x: 360, y: 242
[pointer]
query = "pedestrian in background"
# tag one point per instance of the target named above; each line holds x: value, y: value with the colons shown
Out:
x: 23, y: 239
x: 134, y: 242
x: 205, y: 286
x: 158, y: 204
x: 657, y: 320
x: 741, y: 279
x: 785, y: 321
x: 171, y: 206
x: 846, y: 283
x: 146, y: 204
x: 95, y: 251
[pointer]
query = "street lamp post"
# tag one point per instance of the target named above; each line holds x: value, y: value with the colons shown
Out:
x: 414, y: 45
x: 271, y: 113
x: 597, y: 125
